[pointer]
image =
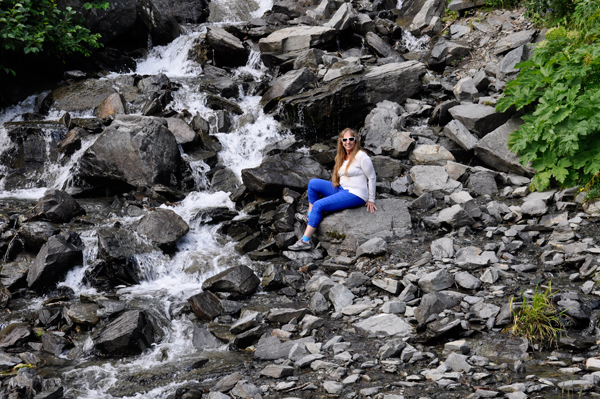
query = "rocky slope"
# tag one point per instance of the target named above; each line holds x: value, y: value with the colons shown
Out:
x: 412, y: 301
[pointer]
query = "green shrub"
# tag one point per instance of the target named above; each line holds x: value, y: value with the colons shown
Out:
x: 548, y: 10
x: 559, y: 87
x: 537, y: 319
x: 39, y: 26
x: 501, y: 3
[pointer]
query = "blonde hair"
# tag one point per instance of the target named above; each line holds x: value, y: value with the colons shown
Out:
x: 341, y: 154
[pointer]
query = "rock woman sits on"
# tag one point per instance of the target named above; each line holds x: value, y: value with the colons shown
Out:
x: 352, y: 185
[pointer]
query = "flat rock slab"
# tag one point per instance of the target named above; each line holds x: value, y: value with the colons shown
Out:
x: 385, y: 323
x: 296, y: 39
x: 391, y: 220
x: 271, y: 348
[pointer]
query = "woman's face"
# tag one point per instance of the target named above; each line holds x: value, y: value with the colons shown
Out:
x: 348, y: 145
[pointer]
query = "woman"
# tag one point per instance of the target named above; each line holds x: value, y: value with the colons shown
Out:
x: 352, y: 185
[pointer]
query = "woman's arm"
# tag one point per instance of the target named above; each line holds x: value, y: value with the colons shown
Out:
x: 367, y: 167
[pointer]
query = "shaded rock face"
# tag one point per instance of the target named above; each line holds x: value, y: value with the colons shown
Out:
x: 283, y: 170
x: 60, y: 254
x: 346, y: 102
x: 228, y: 50
x: 238, y: 279
x: 134, y: 151
x: 129, y: 334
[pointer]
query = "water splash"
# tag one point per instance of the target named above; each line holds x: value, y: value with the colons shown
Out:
x: 237, y: 11
x: 414, y: 44
x: 172, y: 59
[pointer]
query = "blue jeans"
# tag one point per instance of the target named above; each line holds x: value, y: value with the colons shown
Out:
x: 334, y: 199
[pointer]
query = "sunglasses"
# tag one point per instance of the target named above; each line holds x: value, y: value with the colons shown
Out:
x: 350, y: 139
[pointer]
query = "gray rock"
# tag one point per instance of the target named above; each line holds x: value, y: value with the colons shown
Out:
x: 356, y: 279
x: 391, y: 220
x: 202, y: 339
x: 277, y: 172
x: 433, y: 303
x: 284, y: 315
x: 431, y: 155
x: 271, y: 348
x: 333, y: 387
x: 455, y: 216
x: 428, y: 178
x: 56, y: 206
x: 429, y: 10
x: 224, y: 180
x: 134, y: 150
x: 183, y: 133
x: 163, y: 227
x: 226, y: 383
x: 392, y: 348
x: 465, y: 90
x: 277, y: 371
x: 444, y: 52
x: 385, y: 323
x: 227, y: 49
x: 483, y: 183
x: 343, y: 18
x: 296, y: 39
x: 247, y: 321
x: 379, y: 124
x: 129, y: 334
x: 340, y: 296
x: 239, y: 279
x: 291, y: 83
x: 493, y: 150
x: 479, y: 119
x: 380, y: 47
x: 536, y: 207
x: 310, y: 58
x: 387, y: 284
x: 394, y: 307
x: 485, y: 310
x: 471, y: 258
x: 562, y: 232
x: 14, y: 334
x: 457, y: 5
x: 318, y: 303
x: 467, y: 281
x: 442, y: 248
x: 514, y: 40
x: 61, y: 253
x: 458, y: 362
x: 206, y: 305
x: 408, y: 293
x: 458, y: 133
x: 386, y: 168
x: 374, y: 247
x: 506, y: 67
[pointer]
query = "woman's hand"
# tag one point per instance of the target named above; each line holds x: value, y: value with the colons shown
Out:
x: 370, y: 206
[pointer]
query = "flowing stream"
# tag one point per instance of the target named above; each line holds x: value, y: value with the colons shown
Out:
x: 169, y: 281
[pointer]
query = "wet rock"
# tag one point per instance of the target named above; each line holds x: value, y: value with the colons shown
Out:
x: 206, y: 305
x: 61, y: 253
x: 226, y: 383
x: 134, y: 150
x: 36, y: 234
x: 117, y: 245
x: 80, y: 95
x: 238, y: 279
x: 493, y: 150
x: 53, y: 343
x: 225, y: 180
x: 293, y: 171
x: 202, y: 339
x: 385, y: 323
x: 159, y: 21
x: 163, y: 227
x: 503, y: 347
x: 14, y: 334
x: 184, y: 134
x: 129, y: 334
x: 84, y: 313
x: 228, y: 49
x: 112, y: 105
x: 56, y: 206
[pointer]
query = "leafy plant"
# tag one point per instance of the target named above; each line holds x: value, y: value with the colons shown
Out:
x: 559, y: 86
x: 549, y: 11
x: 40, y: 26
x: 537, y: 319
x: 501, y: 3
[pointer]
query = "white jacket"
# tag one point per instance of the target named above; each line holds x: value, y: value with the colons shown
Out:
x: 360, y: 179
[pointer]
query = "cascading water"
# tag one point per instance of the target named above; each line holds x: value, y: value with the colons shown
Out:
x: 168, y: 281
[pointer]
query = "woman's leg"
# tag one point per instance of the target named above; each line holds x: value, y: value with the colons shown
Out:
x: 335, y: 202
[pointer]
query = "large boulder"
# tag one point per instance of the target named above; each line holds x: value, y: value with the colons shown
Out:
x: 431, y: 178
x: 228, y: 50
x: 445, y: 52
x: 159, y: 21
x: 134, y: 151
x: 379, y: 125
x: 296, y: 39
x: 129, y: 334
x: 116, y: 245
x: 493, y: 150
x: 391, y: 220
x: 60, y: 254
x: 430, y: 10
x: 292, y: 170
x: 237, y: 279
x: 291, y: 83
x: 479, y: 119
x: 56, y: 206
x: 163, y: 227
x: 347, y: 101
x: 79, y: 96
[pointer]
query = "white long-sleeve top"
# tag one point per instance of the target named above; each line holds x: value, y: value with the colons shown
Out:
x: 360, y: 179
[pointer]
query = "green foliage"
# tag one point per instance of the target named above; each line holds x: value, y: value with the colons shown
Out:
x: 501, y: 3
x: 537, y: 320
x: 39, y: 26
x: 559, y: 86
x: 548, y: 11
